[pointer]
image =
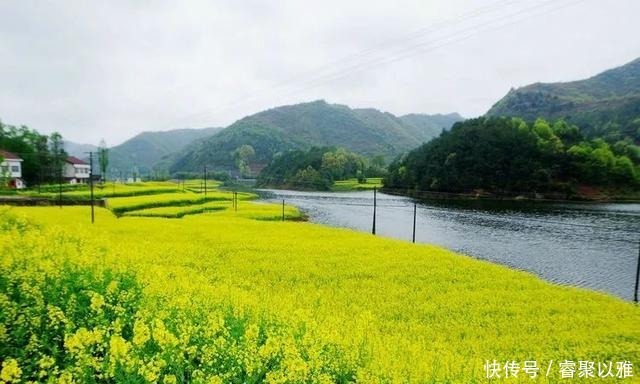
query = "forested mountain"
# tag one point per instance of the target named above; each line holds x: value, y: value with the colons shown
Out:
x: 149, y: 150
x: 606, y: 105
x: 368, y: 132
x: 510, y: 156
x: 429, y: 126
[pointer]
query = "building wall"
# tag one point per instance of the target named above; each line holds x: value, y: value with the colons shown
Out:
x: 11, y: 168
x: 76, y: 173
x: 69, y: 171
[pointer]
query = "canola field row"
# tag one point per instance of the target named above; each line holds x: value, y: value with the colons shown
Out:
x: 220, y: 298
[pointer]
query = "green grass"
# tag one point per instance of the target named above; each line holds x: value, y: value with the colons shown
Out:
x: 354, y: 185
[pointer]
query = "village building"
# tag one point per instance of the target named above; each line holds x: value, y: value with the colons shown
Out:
x: 11, y: 169
x: 76, y: 171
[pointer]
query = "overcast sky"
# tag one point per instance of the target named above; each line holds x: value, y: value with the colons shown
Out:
x: 111, y: 69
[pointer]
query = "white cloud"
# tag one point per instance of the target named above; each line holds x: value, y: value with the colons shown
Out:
x: 113, y: 69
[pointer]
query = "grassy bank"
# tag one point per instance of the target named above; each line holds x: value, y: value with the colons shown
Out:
x: 219, y: 298
x: 354, y: 185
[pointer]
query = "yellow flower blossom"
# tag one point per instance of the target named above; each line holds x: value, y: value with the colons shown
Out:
x: 219, y: 296
x: 10, y: 371
x: 97, y: 302
x: 118, y: 347
x: 141, y: 333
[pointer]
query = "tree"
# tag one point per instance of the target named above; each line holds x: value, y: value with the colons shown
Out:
x: 58, y: 155
x: 103, y: 159
x: 623, y: 170
x: 316, y: 168
x: 242, y: 155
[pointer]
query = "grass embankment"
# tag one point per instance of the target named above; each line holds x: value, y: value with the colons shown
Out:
x: 174, y: 205
x: 354, y: 185
x: 125, y: 204
x: 198, y: 186
x: 246, y: 209
x: 178, y: 211
x: 223, y: 299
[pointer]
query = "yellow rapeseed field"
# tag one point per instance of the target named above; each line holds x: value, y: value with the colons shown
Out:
x: 218, y: 298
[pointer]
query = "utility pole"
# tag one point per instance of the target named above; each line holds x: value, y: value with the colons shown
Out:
x: 414, y: 221
x: 205, y: 180
x: 60, y: 185
x: 282, y: 209
x: 373, y: 229
x: 635, y: 297
x: 91, y: 185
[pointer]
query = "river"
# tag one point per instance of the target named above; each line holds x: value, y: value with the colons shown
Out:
x: 583, y: 244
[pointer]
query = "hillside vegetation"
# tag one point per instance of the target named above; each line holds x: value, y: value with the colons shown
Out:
x: 606, y: 105
x: 509, y: 156
x: 318, y: 169
x: 367, y: 132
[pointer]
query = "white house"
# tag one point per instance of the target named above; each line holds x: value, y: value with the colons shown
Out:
x: 76, y: 171
x: 11, y: 169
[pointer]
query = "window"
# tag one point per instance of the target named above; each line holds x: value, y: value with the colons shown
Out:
x: 15, y: 168
x: 4, y: 169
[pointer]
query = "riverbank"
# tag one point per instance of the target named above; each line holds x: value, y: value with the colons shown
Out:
x: 582, y: 194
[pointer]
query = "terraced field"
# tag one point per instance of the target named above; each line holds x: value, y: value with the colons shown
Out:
x: 177, y: 204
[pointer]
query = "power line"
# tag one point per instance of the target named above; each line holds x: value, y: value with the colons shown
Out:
x: 410, y: 51
x: 375, y: 48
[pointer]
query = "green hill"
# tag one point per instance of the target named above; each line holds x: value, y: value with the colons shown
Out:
x: 368, y: 132
x: 429, y: 126
x: 503, y: 156
x: 152, y: 150
x: 606, y: 105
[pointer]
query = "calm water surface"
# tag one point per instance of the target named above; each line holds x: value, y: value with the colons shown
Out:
x: 588, y: 245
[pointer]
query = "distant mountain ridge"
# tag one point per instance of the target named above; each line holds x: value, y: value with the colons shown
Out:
x: 430, y: 126
x: 365, y: 131
x: 605, y: 105
x: 79, y: 150
x: 149, y: 150
x: 146, y: 152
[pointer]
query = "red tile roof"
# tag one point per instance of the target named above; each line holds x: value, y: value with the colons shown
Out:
x: 76, y: 161
x: 9, y: 155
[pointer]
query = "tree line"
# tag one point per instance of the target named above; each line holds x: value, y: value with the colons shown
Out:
x: 508, y: 156
x: 43, y: 155
x: 318, y: 168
